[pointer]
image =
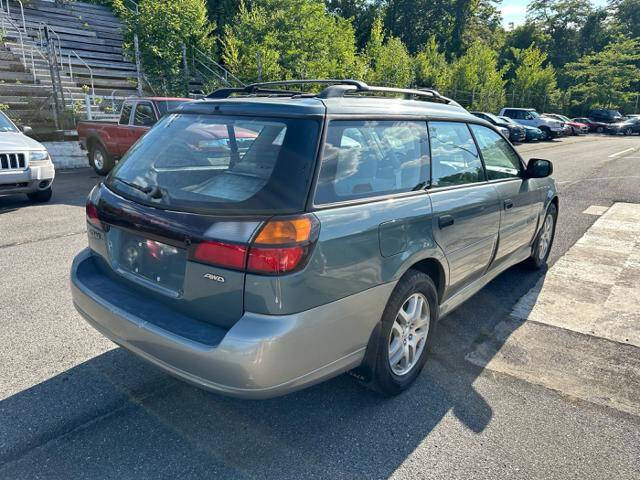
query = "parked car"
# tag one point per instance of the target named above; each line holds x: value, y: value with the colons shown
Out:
x: 605, y: 115
x: 258, y: 273
x: 532, y: 134
x: 25, y: 164
x: 593, y: 125
x: 632, y: 115
x: 516, y: 131
x: 106, y: 142
x: 626, y: 127
x: 528, y: 116
x: 575, y: 128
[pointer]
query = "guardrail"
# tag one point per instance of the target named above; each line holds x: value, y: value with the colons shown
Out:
x: 93, y: 90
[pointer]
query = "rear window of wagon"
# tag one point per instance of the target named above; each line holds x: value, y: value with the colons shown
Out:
x: 221, y: 164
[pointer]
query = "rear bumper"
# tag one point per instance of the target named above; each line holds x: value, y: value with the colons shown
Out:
x: 30, y: 180
x: 261, y: 356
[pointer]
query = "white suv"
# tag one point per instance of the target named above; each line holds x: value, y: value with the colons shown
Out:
x: 25, y: 165
x: 528, y: 116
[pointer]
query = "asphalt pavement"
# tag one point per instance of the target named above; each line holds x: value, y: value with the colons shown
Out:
x: 74, y: 405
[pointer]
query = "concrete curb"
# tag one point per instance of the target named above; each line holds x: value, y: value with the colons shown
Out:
x: 67, y: 154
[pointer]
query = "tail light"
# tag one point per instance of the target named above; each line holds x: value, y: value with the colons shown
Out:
x: 283, y: 245
x: 92, y: 214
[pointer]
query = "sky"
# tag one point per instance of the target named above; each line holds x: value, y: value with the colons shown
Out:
x: 516, y: 10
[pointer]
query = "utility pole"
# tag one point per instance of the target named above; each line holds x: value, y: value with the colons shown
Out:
x: 185, y: 66
x: 136, y: 50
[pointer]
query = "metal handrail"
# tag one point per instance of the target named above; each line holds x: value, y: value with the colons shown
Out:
x: 24, y: 58
x: 42, y: 26
x: 227, y: 73
x: 24, y: 24
x: 93, y: 90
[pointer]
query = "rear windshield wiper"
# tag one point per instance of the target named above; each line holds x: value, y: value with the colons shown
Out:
x: 146, y: 190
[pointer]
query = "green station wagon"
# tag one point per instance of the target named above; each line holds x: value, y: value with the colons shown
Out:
x: 266, y: 238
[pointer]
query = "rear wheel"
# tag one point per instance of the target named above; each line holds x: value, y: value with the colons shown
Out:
x: 41, y: 196
x: 600, y: 129
x: 407, y: 324
x: 544, y: 241
x: 101, y: 161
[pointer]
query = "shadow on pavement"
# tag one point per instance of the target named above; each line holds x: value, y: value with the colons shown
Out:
x: 116, y: 416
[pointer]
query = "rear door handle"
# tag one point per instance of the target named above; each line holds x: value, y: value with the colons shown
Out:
x: 445, y: 221
x: 508, y: 204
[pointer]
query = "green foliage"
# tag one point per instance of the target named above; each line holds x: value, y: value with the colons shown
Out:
x: 283, y: 39
x: 431, y: 67
x: 477, y: 72
x: 163, y: 26
x: 388, y: 60
x: 603, y: 79
x: 534, y: 79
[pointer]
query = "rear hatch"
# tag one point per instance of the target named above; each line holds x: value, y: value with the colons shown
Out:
x: 175, y: 219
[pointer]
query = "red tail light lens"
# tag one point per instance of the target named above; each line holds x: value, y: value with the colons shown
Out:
x: 275, y: 260
x: 92, y: 215
x: 222, y: 254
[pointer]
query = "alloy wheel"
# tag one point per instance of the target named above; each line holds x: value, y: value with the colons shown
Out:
x: 408, y: 334
x: 545, y: 237
x: 98, y: 159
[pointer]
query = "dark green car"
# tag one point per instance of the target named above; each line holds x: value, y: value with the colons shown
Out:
x: 268, y: 238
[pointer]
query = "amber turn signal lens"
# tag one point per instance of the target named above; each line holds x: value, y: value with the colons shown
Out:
x: 279, y: 232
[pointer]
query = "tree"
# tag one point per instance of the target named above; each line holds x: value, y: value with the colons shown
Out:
x: 476, y: 79
x: 284, y: 39
x: 626, y: 14
x: 361, y: 13
x: 431, y: 67
x: 388, y: 60
x: 163, y: 26
x: 604, y: 79
x: 534, y: 80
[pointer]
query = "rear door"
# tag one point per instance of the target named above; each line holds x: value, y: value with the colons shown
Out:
x: 519, y: 199
x: 144, y: 117
x: 466, y: 208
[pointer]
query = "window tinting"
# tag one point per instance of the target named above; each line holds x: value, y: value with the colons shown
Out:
x: 499, y: 158
x: 126, y: 113
x: 221, y: 164
x: 144, y: 116
x: 454, y: 157
x: 370, y: 158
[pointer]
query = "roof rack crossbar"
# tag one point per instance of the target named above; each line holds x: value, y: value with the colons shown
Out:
x: 335, y: 88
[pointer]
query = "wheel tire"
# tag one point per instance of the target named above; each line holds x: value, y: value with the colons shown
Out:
x: 413, y: 284
x: 628, y: 131
x: 546, y: 133
x: 100, y: 159
x: 599, y: 129
x: 537, y: 261
x: 41, y: 196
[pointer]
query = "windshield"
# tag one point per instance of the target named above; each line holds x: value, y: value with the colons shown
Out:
x: 534, y: 114
x: 508, y: 120
x: 495, y: 118
x: 226, y: 164
x: 165, y: 106
x: 6, y: 125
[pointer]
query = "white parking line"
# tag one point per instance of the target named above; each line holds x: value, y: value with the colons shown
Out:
x: 614, y: 155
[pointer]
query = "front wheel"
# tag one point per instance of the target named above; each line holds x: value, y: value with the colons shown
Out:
x: 41, y: 196
x: 600, y: 129
x: 628, y: 131
x: 406, y: 327
x: 544, y: 241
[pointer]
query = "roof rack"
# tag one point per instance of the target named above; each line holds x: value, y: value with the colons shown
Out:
x: 336, y: 88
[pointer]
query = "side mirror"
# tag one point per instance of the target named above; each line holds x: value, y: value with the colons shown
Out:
x: 539, y: 168
x: 27, y: 130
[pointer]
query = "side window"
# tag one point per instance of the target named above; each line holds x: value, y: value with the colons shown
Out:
x: 499, y: 158
x: 454, y: 157
x: 510, y: 113
x: 370, y: 158
x: 144, y: 115
x: 126, y: 113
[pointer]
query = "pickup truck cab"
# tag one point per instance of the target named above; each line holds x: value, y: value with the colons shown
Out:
x: 106, y: 142
x: 528, y: 116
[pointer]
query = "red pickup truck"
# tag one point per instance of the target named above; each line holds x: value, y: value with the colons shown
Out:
x: 106, y: 142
